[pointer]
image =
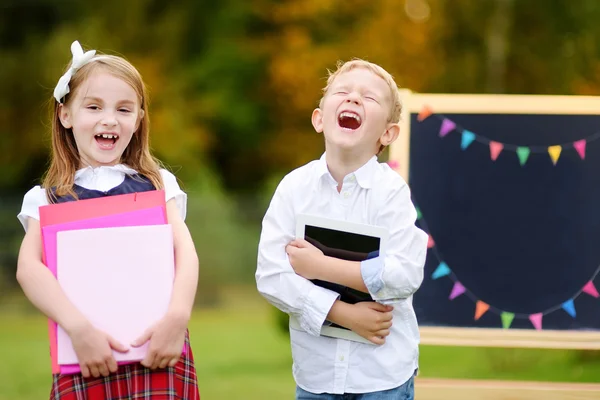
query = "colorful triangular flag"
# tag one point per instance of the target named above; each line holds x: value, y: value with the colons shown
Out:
x: 507, y: 319
x: 480, y: 309
x: 457, y: 290
x: 523, y: 154
x: 430, y: 242
x: 425, y: 112
x: 393, y: 164
x: 580, y: 147
x: 590, y: 289
x: 554, y: 152
x: 536, y: 320
x: 447, y: 127
x: 419, y: 215
x: 495, y: 149
x: 441, y: 270
x: 467, y: 139
x: 569, y: 307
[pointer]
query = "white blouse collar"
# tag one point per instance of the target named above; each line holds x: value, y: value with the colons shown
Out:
x: 93, y: 171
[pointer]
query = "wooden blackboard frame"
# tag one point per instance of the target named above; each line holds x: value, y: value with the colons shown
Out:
x: 399, y: 152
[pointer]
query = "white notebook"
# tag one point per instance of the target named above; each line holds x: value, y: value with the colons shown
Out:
x: 120, y: 278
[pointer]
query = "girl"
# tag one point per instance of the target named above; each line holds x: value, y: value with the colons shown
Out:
x: 100, y: 147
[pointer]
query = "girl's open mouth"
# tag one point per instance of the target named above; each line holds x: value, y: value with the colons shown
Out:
x: 106, y: 140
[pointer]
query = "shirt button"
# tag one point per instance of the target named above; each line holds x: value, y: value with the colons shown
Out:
x: 346, y: 195
x: 341, y: 358
x: 352, y: 178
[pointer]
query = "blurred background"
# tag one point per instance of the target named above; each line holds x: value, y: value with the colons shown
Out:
x: 232, y: 86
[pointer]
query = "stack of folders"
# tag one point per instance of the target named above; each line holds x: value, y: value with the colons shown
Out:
x: 114, y: 259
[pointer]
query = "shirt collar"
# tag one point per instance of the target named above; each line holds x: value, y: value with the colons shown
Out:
x: 364, y: 175
x: 90, y: 171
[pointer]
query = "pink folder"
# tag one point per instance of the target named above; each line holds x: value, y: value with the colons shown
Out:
x: 120, y: 278
x: 148, y: 216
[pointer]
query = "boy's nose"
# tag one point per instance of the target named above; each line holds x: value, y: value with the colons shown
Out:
x: 353, y: 98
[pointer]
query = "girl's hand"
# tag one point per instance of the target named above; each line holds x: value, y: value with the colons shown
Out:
x: 166, y: 342
x: 94, y: 350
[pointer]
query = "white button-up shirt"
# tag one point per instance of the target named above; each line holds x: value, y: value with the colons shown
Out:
x: 376, y: 195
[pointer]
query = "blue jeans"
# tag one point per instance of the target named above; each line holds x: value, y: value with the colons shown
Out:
x: 403, y: 392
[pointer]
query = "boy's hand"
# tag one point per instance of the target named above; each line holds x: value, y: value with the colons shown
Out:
x: 305, y: 258
x: 369, y: 319
x: 94, y: 351
x: 166, y: 342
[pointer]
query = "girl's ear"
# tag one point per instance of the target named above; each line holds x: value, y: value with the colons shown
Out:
x: 139, y: 120
x: 64, y: 114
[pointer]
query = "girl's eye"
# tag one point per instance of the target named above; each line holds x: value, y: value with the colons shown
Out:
x: 93, y: 107
x: 125, y: 110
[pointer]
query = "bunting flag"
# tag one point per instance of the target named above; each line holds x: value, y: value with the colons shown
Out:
x: 590, y: 289
x: 523, y: 152
x: 430, y: 242
x: 536, y: 320
x: 457, y: 290
x: 426, y: 111
x: 467, y: 139
x: 447, y: 127
x: 419, y: 215
x: 441, y: 270
x: 480, y: 309
x: 506, y: 317
x: 569, y: 307
x: 554, y: 152
x: 495, y: 149
x: 580, y: 147
x: 393, y: 164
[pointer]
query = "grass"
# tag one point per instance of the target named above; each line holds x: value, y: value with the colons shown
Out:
x: 240, y: 354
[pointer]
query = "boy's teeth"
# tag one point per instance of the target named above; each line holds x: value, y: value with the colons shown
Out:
x: 350, y: 115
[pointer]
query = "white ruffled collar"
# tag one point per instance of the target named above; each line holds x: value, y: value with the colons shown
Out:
x: 90, y: 171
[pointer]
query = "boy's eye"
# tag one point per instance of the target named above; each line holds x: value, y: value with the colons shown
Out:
x: 341, y: 92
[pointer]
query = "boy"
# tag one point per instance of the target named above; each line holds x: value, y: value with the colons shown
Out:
x: 358, y: 115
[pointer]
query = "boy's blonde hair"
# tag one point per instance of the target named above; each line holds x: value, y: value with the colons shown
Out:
x: 342, y: 67
x: 65, y: 159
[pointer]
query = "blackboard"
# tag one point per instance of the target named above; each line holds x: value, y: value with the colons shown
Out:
x: 515, y: 238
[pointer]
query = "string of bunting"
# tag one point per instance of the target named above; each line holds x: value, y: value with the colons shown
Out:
x: 481, y: 307
x: 523, y: 152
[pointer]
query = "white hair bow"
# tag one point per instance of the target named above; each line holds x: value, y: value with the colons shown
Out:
x: 79, y: 60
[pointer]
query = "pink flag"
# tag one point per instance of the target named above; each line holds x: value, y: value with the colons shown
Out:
x: 590, y: 289
x: 426, y: 111
x: 393, y: 164
x: 447, y: 127
x: 430, y: 242
x: 580, y: 147
x: 536, y: 320
x: 495, y: 149
x: 457, y: 290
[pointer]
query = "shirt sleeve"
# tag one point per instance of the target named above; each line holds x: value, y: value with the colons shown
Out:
x: 33, y: 200
x: 399, y: 273
x: 276, y: 279
x: 172, y: 190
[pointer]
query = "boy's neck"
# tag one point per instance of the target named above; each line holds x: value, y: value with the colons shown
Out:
x: 341, y: 164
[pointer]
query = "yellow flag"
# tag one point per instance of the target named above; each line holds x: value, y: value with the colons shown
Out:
x: 554, y: 152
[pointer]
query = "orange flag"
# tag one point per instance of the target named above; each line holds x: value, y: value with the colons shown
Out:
x: 480, y: 309
x: 426, y: 111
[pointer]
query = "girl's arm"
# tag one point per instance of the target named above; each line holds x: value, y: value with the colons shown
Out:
x: 186, y: 266
x: 93, y: 348
x: 167, y: 336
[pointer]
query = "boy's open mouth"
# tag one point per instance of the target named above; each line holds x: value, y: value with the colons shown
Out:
x: 106, y: 140
x: 349, y: 120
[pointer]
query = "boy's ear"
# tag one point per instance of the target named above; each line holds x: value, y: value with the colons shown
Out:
x: 317, y: 120
x: 390, y: 134
x: 65, y: 116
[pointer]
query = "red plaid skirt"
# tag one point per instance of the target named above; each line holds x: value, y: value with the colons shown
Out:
x: 133, y: 381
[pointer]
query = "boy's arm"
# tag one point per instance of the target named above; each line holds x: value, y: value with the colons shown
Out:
x: 393, y: 277
x: 275, y: 277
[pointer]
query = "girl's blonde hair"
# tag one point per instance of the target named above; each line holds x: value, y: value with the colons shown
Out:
x: 65, y: 160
